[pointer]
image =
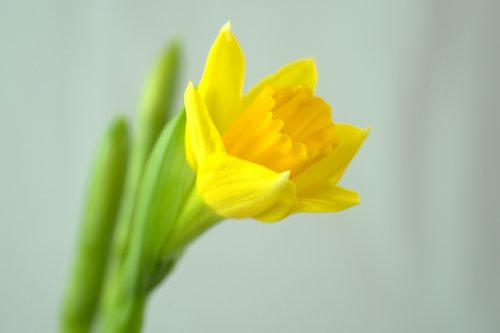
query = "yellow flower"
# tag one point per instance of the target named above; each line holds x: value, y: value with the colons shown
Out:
x: 271, y: 152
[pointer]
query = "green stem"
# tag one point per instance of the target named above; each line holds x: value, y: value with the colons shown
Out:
x: 126, y: 316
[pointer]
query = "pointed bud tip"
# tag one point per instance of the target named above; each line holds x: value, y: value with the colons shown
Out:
x: 118, y: 126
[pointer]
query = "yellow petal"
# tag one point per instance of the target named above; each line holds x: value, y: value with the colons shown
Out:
x: 202, y: 137
x: 301, y: 72
x: 283, y: 207
x: 238, y: 188
x: 331, y: 167
x: 222, y: 82
x: 330, y: 198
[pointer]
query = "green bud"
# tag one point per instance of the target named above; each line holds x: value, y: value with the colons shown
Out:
x: 155, y: 107
x: 160, y: 88
x: 100, y: 212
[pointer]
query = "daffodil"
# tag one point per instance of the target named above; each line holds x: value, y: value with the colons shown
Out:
x: 265, y: 154
x: 272, y: 151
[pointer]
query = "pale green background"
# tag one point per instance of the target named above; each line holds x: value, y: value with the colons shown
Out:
x: 420, y: 254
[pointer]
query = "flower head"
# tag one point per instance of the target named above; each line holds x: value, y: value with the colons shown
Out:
x: 272, y: 151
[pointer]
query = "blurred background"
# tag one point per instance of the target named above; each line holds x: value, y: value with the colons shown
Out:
x: 420, y: 254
